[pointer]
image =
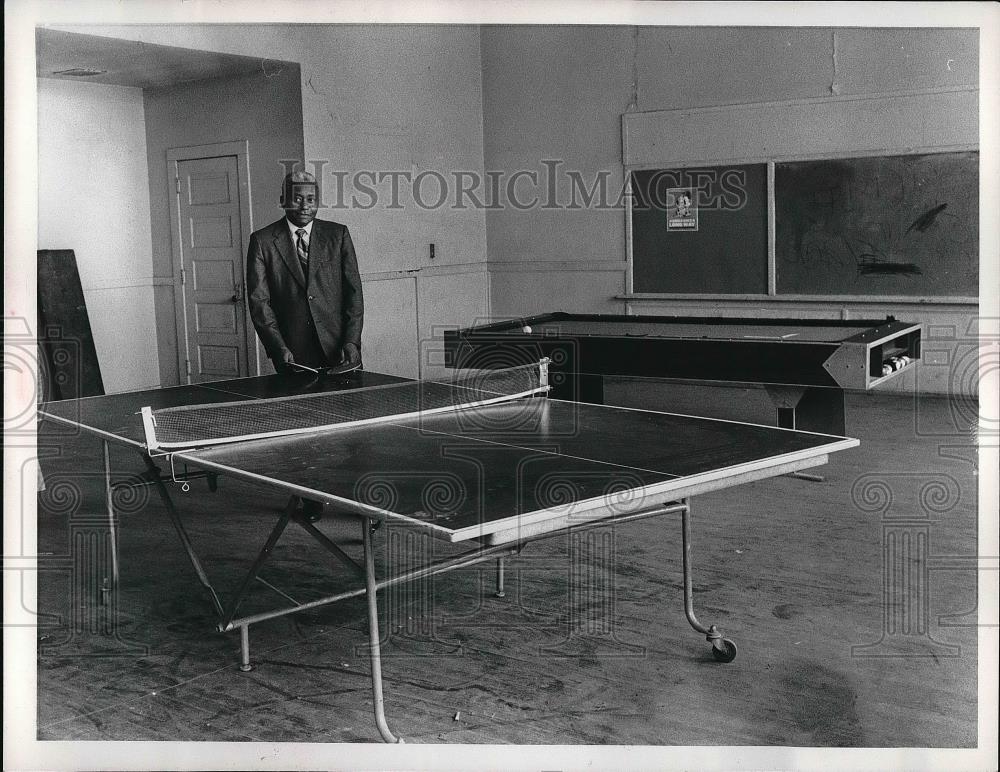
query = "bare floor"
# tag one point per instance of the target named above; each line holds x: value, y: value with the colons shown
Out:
x: 590, y: 644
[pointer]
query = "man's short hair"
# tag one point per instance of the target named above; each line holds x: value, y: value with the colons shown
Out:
x: 291, y: 180
x: 300, y: 177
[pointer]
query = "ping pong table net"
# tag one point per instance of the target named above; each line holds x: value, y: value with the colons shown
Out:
x: 195, y: 426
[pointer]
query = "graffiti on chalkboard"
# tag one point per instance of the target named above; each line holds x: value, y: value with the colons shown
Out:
x: 876, y: 268
x: 894, y: 224
x: 873, y: 263
x: 927, y: 219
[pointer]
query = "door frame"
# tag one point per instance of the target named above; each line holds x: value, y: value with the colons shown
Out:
x: 240, y: 149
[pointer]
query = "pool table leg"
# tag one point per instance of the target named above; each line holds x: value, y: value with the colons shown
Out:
x: 809, y: 409
x: 578, y: 387
x: 822, y: 410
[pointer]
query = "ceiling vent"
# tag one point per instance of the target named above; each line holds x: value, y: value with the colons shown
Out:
x: 79, y: 72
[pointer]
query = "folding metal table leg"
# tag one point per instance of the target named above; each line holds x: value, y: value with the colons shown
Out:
x: 245, y: 665
x: 373, y: 634
x: 501, y: 592
x: 164, y: 494
x: 258, y: 563
x: 723, y: 649
x: 112, y: 525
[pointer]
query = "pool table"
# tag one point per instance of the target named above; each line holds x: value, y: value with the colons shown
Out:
x: 805, y: 365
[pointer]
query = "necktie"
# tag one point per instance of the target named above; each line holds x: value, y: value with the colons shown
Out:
x: 302, y: 248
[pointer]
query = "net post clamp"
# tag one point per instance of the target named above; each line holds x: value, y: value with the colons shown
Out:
x: 152, y: 445
x: 543, y: 372
x: 149, y: 429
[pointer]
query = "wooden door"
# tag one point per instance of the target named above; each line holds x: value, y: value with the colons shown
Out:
x: 210, y: 246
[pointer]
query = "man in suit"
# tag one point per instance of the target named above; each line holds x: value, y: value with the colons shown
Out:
x: 303, y: 284
x: 304, y: 287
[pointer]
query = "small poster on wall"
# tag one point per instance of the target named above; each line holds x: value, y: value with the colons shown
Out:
x: 682, y: 211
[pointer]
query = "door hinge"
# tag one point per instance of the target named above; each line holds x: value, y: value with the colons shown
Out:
x: 177, y: 184
x: 187, y: 367
x: 183, y: 275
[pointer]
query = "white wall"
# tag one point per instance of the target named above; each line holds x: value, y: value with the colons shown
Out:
x: 93, y: 198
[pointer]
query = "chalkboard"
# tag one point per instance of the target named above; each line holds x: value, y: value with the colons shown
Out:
x: 714, y: 241
x: 892, y: 225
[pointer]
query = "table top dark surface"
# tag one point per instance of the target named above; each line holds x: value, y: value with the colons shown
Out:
x: 496, y: 467
x: 481, y: 470
x: 118, y: 414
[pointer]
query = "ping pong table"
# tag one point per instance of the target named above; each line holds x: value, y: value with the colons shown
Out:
x: 488, y: 461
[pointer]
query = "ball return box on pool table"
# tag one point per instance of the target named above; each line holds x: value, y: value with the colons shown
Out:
x: 805, y: 365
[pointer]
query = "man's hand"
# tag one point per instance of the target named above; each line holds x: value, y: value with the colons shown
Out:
x: 350, y: 353
x: 287, y: 360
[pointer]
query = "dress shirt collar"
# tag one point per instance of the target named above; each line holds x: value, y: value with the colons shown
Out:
x: 292, y: 227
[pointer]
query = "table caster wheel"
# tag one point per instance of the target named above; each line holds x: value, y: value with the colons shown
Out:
x: 725, y: 654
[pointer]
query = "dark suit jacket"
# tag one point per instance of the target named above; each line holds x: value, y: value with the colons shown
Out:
x: 293, y: 312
